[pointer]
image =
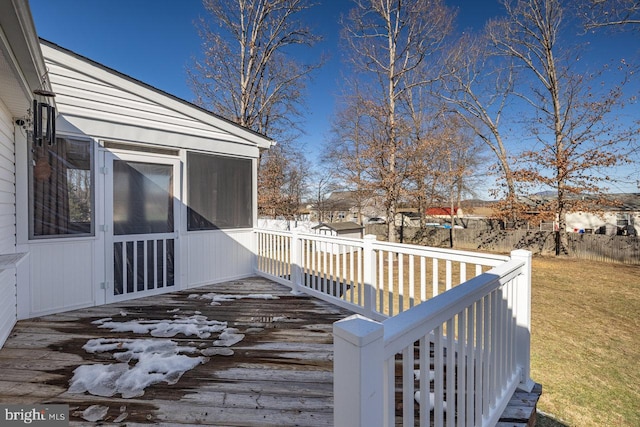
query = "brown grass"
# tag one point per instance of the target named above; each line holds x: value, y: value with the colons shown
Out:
x: 586, y: 341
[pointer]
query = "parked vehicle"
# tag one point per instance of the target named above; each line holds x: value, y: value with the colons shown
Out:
x: 376, y: 220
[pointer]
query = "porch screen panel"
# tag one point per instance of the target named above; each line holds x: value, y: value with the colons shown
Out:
x: 219, y: 191
x: 61, y: 188
x: 142, y: 198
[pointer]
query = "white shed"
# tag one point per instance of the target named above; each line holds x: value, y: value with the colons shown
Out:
x: 139, y: 193
x: 343, y: 229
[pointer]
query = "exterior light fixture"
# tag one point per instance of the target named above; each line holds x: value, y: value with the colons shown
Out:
x: 44, y: 119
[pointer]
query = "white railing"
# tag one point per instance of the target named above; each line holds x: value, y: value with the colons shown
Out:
x: 453, y: 361
x: 376, y: 279
x: 454, y: 338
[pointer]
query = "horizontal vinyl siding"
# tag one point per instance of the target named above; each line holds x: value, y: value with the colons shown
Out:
x: 84, y: 96
x: 8, y: 313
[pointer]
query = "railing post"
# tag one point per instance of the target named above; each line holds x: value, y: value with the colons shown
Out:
x: 295, y: 263
x: 255, y: 242
x: 358, y: 372
x: 523, y: 319
x: 369, y: 274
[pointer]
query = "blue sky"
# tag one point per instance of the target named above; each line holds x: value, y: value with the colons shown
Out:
x: 154, y: 41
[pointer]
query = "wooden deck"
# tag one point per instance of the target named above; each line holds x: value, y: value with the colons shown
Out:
x: 281, y: 373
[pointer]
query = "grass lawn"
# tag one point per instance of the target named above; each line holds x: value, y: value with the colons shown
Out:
x: 586, y: 341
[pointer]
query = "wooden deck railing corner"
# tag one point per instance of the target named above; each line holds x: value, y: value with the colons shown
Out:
x: 450, y: 353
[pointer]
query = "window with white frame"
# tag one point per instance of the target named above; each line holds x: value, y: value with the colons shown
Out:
x: 219, y: 192
x: 61, y: 183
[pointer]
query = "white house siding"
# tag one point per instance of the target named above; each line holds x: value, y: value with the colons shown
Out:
x: 99, y: 103
x: 109, y: 106
x: 8, y: 298
x: 218, y: 256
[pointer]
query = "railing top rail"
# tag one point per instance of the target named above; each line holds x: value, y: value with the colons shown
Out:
x: 317, y: 237
x: 407, y: 327
x: 273, y: 232
x: 441, y: 253
x: 491, y: 260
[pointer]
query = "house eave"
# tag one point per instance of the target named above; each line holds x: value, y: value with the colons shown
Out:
x: 20, y: 45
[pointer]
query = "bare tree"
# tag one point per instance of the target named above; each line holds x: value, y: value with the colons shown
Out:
x: 572, y: 121
x: 348, y: 151
x: 461, y: 158
x: 248, y: 76
x: 244, y: 74
x: 322, y: 184
x: 388, y: 41
x: 477, y: 86
x: 611, y: 14
x: 282, y: 184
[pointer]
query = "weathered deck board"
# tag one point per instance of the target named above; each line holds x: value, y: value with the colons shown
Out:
x: 280, y: 373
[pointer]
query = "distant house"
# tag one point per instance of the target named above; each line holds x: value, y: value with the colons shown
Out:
x: 347, y: 206
x: 111, y: 189
x: 621, y: 217
x: 443, y: 212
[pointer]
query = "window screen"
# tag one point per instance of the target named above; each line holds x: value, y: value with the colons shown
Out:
x: 61, y: 188
x: 219, y: 192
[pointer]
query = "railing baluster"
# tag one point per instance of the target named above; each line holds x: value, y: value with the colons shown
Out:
x: 435, y: 278
x: 451, y: 370
x: 471, y: 363
x: 390, y: 386
x: 438, y: 385
x: 390, y: 281
x: 361, y: 277
x: 325, y: 254
x: 412, y: 285
x: 488, y: 350
x: 354, y: 252
x: 380, y: 278
x: 332, y: 274
x: 164, y: 263
x: 448, y: 269
x: 400, y: 283
x: 463, y: 272
x: 145, y: 263
x: 425, y: 383
x: 408, y: 366
x: 461, y: 364
x: 480, y: 360
x: 125, y: 268
x: 423, y: 279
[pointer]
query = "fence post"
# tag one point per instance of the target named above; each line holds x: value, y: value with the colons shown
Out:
x: 358, y: 372
x: 523, y: 319
x: 295, y: 263
x: 369, y: 274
